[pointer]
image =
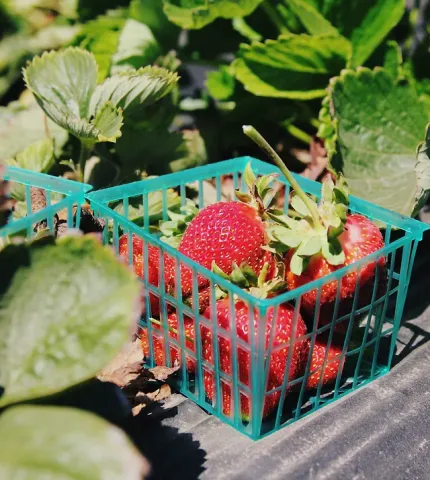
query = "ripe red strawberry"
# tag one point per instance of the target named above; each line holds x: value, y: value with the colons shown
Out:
x: 333, y: 364
x: 360, y: 238
x: 158, y: 342
x: 138, y: 258
x: 278, y: 360
x: 224, y: 232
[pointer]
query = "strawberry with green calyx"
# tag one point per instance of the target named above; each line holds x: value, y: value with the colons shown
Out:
x: 325, y: 239
x: 227, y: 233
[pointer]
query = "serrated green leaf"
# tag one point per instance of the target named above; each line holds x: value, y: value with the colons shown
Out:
x: 311, y: 18
x: 288, y: 237
x: 299, y: 205
x: 89, y: 447
x: 101, y: 38
x: 378, y: 139
x: 296, y: 264
x: 137, y: 47
x: 195, y: 14
x: 293, y: 66
x: 221, y: 83
x: 310, y: 246
x: 65, y: 80
x: 46, y: 347
x: 38, y: 157
x: 393, y: 60
x: 422, y: 170
x: 365, y: 22
x: 108, y: 122
x: 134, y: 90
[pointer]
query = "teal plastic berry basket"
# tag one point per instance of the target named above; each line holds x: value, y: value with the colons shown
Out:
x: 238, y: 391
x: 61, y: 198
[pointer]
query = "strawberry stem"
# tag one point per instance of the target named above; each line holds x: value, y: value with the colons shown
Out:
x: 257, y: 138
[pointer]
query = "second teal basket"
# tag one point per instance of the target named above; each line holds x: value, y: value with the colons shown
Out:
x: 239, y: 389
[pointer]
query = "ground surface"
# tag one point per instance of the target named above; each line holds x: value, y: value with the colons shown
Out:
x: 382, y: 431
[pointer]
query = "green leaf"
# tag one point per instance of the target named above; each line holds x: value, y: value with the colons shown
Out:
x: 150, y: 12
x: 221, y: 83
x: 17, y: 118
x: 195, y: 14
x: 47, y: 346
x: 238, y: 278
x: 38, y: 157
x: 101, y: 38
x: 299, y: 205
x: 364, y: 22
x: 422, y: 169
x: 311, y: 18
x: 192, y: 152
x: 332, y: 252
x: 249, y: 177
x: 243, y: 197
x: 310, y: 246
x: 378, y: 139
x: 293, y: 66
x: 296, y: 264
x: 108, y: 122
x: 288, y: 237
x: 137, y: 47
x: 133, y: 90
x: 47, y: 442
x: 63, y: 83
x: 393, y: 60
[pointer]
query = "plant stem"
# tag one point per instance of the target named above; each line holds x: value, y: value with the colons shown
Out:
x: 256, y: 137
x: 274, y: 16
x: 84, y: 153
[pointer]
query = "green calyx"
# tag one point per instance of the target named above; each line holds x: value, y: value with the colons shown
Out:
x: 314, y: 228
x: 244, y: 277
x: 261, y: 194
x: 174, y: 229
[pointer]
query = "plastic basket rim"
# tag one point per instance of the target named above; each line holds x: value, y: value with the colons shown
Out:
x: 140, y: 187
x: 44, y: 180
x: 132, y: 228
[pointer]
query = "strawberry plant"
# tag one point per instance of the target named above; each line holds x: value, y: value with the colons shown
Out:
x: 52, y: 343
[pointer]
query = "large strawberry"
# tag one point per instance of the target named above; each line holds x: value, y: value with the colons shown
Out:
x: 325, y: 363
x: 323, y: 238
x: 138, y: 259
x: 158, y: 341
x: 283, y: 323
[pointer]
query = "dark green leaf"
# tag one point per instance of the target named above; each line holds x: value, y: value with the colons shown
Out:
x: 221, y: 83
x: 378, y: 139
x: 197, y: 14
x: 311, y: 18
x: 293, y: 66
x: 365, y: 22
x: 137, y: 48
x: 40, y: 443
x: 46, y: 347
